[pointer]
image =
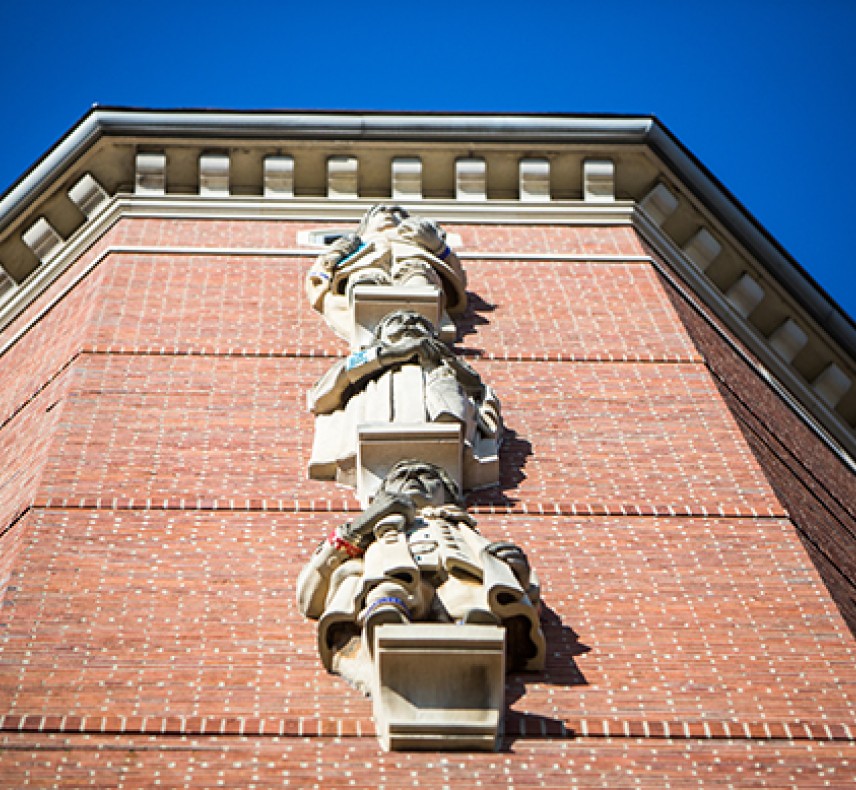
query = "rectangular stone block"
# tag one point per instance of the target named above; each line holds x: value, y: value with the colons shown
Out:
x: 439, y: 686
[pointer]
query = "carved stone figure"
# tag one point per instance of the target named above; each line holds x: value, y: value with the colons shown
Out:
x: 415, y: 555
x: 389, y: 248
x: 408, y: 376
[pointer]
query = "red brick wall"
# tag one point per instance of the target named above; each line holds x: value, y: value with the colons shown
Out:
x: 815, y: 485
x: 149, y: 622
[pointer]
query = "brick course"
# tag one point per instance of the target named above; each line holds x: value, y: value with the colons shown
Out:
x: 156, y: 512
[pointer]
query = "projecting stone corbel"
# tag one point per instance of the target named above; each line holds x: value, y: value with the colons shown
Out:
x: 423, y: 693
x: 88, y: 195
x: 214, y: 175
x: 659, y: 204
x: 534, y: 180
x: 702, y: 249
x: 832, y: 385
x: 407, y: 178
x: 745, y: 295
x: 150, y: 174
x: 382, y: 445
x: 788, y: 340
x: 599, y: 181
x: 342, y: 178
x: 42, y: 239
x: 279, y: 176
x: 370, y: 303
x: 471, y: 179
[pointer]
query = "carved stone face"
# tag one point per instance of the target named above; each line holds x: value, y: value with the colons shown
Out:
x: 383, y: 218
x: 421, y: 482
x: 402, y: 325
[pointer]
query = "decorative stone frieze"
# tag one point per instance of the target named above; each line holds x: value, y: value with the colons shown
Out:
x: 42, y: 239
x: 599, y: 181
x: 214, y: 175
x: 150, y: 174
x: 279, y: 176
x: 88, y: 195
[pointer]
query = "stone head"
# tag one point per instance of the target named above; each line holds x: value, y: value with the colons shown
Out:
x: 426, y: 483
x: 402, y: 324
x: 380, y: 218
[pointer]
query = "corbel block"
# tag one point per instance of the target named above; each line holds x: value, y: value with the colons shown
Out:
x: 659, y: 204
x: 42, y: 239
x: 279, y: 176
x: 702, y: 249
x: 150, y: 174
x: 534, y: 182
x: 407, y: 178
x: 471, y: 179
x: 745, y: 295
x: 214, y: 175
x: 342, y: 177
x: 88, y: 195
x: 598, y: 181
x: 832, y: 385
x: 788, y: 340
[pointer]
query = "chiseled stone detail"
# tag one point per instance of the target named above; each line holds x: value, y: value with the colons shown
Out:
x: 150, y: 174
x: 414, y: 557
x: 407, y: 178
x: 832, y: 385
x: 702, y: 249
x: 342, y: 177
x: 279, y: 176
x: 599, y: 181
x: 788, y: 340
x: 390, y: 248
x: 745, y: 295
x: 534, y: 186
x: 42, y: 239
x: 214, y: 175
x: 88, y: 195
x: 406, y: 376
x: 659, y: 204
x: 471, y: 179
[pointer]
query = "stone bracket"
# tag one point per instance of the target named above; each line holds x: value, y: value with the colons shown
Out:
x: 380, y: 446
x: 439, y: 686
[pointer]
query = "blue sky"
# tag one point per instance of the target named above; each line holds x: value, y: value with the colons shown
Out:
x: 761, y: 91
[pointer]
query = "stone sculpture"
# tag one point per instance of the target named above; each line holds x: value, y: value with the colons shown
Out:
x: 414, y: 556
x: 406, y: 376
x: 390, y: 248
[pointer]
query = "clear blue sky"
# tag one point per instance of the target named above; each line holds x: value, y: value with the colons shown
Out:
x: 762, y: 91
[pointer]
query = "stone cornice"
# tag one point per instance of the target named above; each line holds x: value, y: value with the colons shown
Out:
x: 454, y: 167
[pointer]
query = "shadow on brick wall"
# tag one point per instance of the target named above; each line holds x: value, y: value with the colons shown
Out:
x: 563, y: 646
x: 472, y: 319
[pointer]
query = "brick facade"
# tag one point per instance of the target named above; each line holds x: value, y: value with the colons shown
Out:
x: 155, y: 512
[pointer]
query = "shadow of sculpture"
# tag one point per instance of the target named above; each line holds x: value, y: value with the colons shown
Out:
x: 514, y: 454
x: 472, y: 318
x: 561, y: 670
